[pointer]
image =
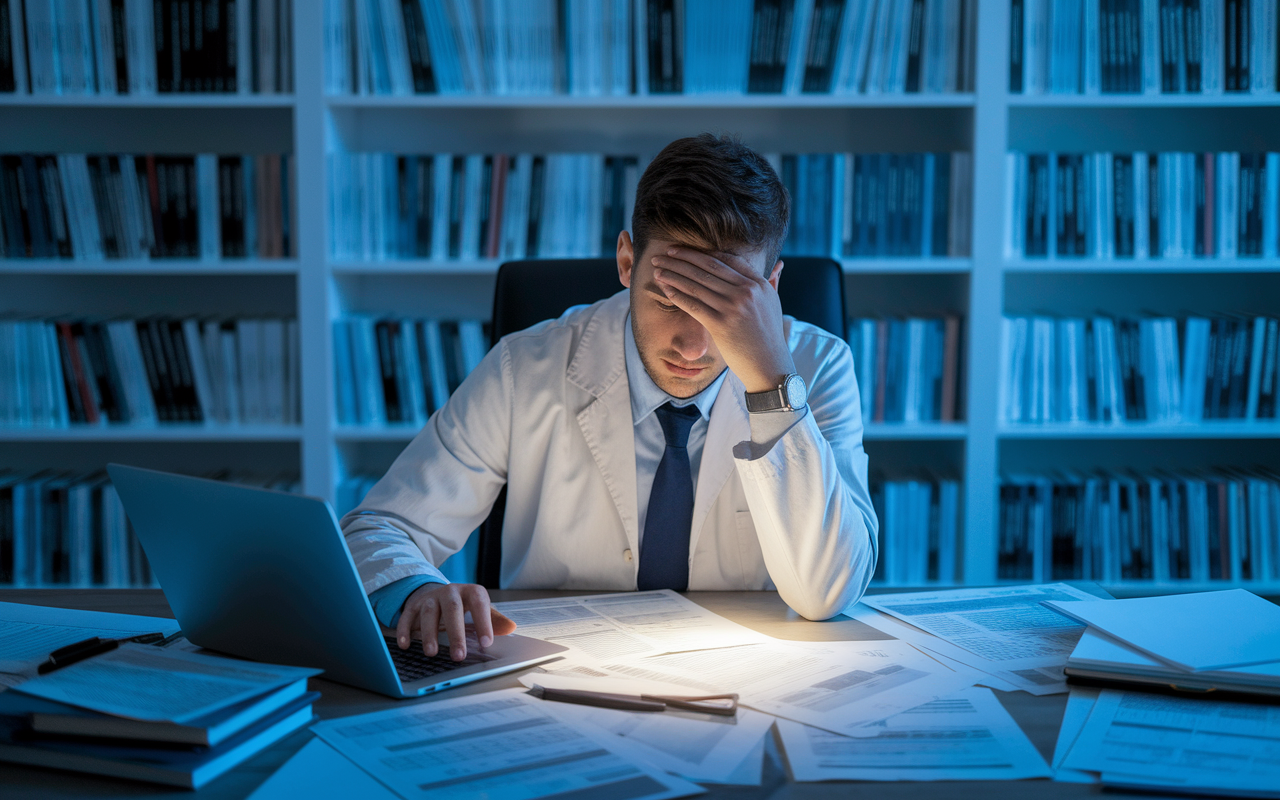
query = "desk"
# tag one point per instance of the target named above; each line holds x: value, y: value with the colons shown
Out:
x: 763, y: 611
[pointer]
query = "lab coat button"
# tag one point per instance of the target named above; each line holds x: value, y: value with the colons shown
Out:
x: 626, y: 554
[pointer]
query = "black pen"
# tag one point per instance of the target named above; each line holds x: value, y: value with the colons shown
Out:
x: 621, y: 702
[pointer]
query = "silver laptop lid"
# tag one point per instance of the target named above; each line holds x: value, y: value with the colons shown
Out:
x: 259, y: 574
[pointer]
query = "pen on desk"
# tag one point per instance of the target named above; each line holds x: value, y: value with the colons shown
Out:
x: 88, y: 648
x: 598, y: 699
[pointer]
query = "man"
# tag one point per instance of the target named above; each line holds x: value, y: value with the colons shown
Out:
x: 623, y: 433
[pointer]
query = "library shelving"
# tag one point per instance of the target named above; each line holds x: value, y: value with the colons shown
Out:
x: 982, y: 288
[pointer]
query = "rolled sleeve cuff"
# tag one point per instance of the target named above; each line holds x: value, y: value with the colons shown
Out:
x: 388, y: 600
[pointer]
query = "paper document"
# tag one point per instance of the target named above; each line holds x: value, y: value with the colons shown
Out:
x: 840, y: 686
x: 139, y: 681
x: 1189, y: 742
x: 965, y: 736
x: 318, y: 772
x: 1202, y: 631
x: 629, y: 623
x: 701, y: 747
x: 1079, y: 705
x: 501, y: 745
x: 1037, y: 681
x: 29, y: 633
x: 1007, y: 626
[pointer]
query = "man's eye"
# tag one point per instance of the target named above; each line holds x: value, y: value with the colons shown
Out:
x: 667, y: 306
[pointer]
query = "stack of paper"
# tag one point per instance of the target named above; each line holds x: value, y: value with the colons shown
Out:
x: 1227, y: 640
x: 153, y: 714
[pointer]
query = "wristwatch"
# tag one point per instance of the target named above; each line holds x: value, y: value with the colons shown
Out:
x: 791, y: 395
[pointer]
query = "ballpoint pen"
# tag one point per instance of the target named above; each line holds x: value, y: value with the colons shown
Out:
x: 88, y: 648
x: 705, y: 704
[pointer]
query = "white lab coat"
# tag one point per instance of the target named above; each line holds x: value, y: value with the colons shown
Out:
x: 548, y: 413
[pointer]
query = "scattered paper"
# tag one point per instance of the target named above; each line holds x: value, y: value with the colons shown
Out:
x: 1137, y: 737
x: 1038, y: 681
x: 1097, y: 651
x: 1079, y: 705
x: 1006, y: 626
x: 705, y: 748
x: 318, y: 772
x: 966, y: 736
x: 503, y: 745
x: 626, y: 624
x: 1202, y: 631
x: 29, y: 633
x: 139, y: 681
x: 840, y: 686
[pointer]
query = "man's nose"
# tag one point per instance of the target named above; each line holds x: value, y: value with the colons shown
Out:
x: 692, y: 340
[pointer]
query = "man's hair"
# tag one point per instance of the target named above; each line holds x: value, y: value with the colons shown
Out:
x: 712, y: 192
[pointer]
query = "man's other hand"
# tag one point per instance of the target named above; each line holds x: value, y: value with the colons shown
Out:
x: 435, y: 607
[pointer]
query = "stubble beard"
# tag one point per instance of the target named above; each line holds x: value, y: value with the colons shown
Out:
x: 668, y: 383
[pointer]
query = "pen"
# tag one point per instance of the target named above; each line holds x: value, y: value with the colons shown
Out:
x: 598, y: 699
x: 88, y: 648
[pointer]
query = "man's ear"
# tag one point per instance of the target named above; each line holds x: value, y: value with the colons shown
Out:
x: 775, y: 275
x: 626, y: 258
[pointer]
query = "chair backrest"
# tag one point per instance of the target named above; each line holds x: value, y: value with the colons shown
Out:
x: 528, y: 292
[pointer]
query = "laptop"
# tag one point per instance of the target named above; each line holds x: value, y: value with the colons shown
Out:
x: 266, y: 575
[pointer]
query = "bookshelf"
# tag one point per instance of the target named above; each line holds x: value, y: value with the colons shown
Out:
x: 317, y: 288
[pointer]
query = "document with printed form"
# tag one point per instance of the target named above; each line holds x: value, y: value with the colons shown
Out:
x: 29, y: 633
x: 503, y: 745
x: 1004, y: 631
x: 626, y: 624
x: 965, y: 736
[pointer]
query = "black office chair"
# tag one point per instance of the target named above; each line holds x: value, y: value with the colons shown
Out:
x: 528, y: 292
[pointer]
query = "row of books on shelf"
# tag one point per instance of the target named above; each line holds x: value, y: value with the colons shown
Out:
x: 1142, y: 46
x: 57, y: 373
x: 466, y: 207
x: 69, y: 529
x: 91, y: 207
x: 623, y: 47
x: 1155, y: 369
x: 919, y: 530
x: 850, y: 205
x: 908, y: 370
x: 399, y: 371
x: 1221, y: 524
x: 139, y: 47
x: 1143, y: 205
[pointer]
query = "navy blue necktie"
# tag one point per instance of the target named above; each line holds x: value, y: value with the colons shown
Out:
x: 664, y: 552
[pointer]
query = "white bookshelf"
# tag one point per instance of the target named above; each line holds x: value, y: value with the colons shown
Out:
x: 318, y: 289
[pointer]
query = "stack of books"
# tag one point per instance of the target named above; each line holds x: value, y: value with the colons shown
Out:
x: 1143, y: 205
x: 400, y: 371
x: 623, y: 47
x: 69, y: 529
x: 919, y: 530
x: 909, y: 370
x: 58, y: 373
x: 148, y: 714
x: 121, y: 206
x: 139, y: 47
x: 1221, y: 524
x: 1156, y: 369
x: 1142, y: 46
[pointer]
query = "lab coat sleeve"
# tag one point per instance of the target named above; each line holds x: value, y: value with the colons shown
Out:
x: 806, y: 486
x: 443, y: 484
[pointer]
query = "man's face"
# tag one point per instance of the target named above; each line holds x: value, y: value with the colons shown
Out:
x: 678, y: 353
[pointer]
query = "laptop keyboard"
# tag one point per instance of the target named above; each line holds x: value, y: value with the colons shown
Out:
x: 412, y: 665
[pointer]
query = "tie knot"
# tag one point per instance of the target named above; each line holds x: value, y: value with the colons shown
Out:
x: 676, y: 422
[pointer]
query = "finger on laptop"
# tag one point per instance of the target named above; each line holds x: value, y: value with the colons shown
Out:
x: 451, y: 617
x: 477, y: 602
x: 502, y: 624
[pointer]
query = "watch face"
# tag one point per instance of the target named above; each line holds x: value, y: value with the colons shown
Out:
x: 797, y: 393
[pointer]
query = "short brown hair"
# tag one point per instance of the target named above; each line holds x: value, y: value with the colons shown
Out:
x: 714, y: 192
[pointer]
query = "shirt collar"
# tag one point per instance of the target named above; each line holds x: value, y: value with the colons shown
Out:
x: 647, y: 396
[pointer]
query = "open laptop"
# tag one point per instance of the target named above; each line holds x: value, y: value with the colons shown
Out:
x: 267, y: 576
